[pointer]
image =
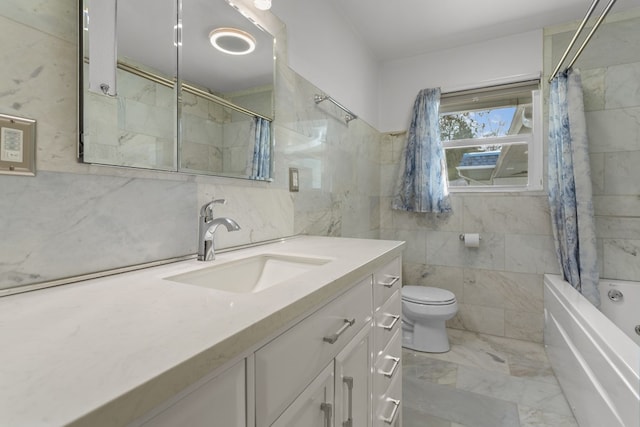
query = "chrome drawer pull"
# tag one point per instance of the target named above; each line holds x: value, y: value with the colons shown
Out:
x: 390, y: 372
x: 327, y: 409
x: 396, y: 405
x: 349, y: 382
x: 331, y: 339
x: 390, y: 283
x: 393, y: 322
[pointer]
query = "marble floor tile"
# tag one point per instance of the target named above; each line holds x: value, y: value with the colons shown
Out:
x: 532, y: 417
x: 481, y: 381
x: 536, y: 394
x: 525, y: 359
x: 433, y: 370
x: 532, y: 369
x: 470, y: 349
x: 460, y: 406
x: 416, y: 418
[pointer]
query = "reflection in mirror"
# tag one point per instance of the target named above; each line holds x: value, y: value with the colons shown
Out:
x: 227, y: 95
x: 216, y: 121
x: 134, y: 123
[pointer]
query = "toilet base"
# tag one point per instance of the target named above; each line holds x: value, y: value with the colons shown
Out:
x: 431, y: 338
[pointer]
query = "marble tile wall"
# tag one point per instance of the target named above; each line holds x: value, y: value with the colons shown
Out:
x: 610, y: 69
x: 498, y: 285
x: 77, y: 218
x: 338, y: 163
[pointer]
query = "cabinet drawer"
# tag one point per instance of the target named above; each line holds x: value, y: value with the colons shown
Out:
x: 388, y: 365
x: 286, y: 365
x: 387, y: 322
x: 386, y: 281
x: 389, y: 405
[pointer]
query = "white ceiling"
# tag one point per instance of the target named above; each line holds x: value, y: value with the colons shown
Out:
x: 401, y: 28
x: 146, y: 36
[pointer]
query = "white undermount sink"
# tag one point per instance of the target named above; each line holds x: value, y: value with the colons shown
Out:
x: 252, y: 274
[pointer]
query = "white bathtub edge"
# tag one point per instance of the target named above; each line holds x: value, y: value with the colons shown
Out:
x: 595, y: 362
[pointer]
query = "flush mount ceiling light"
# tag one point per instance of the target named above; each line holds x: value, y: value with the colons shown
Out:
x: 232, y: 41
x: 262, y: 4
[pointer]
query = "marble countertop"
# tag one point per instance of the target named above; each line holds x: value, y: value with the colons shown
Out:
x: 103, y: 352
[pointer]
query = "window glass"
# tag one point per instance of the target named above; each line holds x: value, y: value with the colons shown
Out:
x: 487, y: 137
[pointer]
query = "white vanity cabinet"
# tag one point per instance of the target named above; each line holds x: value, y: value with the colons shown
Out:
x: 367, y: 371
x: 219, y: 401
x: 287, y: 364
x: 340, y: 395
x: 339, y: 366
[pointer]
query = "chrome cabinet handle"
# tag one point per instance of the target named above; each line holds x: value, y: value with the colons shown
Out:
x: 391, y: 282
x: 331, y: 339
x: 390, y: 372
x: 327, y: 409
x: 349, y: 382
x: 393, y: 322
x: 394, y: 412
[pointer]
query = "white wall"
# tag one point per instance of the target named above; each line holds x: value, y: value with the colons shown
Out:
x: 494, y: 61
x: 325, y: 51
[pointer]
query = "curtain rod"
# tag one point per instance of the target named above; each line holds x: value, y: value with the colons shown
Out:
x: 577, y: 33
x: 347, y: 118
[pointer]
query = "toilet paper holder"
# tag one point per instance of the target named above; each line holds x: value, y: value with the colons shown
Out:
x: 461, y: 237
x: 471, y: 240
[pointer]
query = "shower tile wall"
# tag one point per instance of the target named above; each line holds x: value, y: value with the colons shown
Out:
x: 75, y: 218
x: 610, y: 69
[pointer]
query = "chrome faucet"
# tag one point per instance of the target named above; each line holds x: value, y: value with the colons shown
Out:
x: 207, y: 226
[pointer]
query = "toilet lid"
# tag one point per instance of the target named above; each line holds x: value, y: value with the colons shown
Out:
x: 427, y: 295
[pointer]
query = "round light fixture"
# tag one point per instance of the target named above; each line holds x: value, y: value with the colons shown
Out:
x: 232, y: 41
x: 262, y: 4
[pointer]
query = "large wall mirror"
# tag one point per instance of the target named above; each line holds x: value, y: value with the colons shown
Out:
x: 157, y: 94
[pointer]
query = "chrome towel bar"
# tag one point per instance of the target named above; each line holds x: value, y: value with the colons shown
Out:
x: 347, y: 118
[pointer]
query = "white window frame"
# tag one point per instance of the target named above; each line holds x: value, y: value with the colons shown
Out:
x: 535, y: 154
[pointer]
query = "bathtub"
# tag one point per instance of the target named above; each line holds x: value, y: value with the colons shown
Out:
x: 597, y: 365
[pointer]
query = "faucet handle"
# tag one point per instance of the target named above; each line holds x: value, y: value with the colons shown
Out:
x: 207, y: 208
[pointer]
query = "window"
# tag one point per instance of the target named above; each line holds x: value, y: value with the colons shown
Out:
x: 492, y: 138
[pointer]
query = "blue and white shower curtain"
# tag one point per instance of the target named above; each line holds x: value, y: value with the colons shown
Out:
x: 422, y: 186
x: 570, y: 194
x: 261, y: 164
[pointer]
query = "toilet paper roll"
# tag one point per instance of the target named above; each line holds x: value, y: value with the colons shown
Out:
x: 471, y: 240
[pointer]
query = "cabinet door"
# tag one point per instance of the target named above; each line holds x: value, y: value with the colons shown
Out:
x: 314, y: 407
x: 218, y: 402
x: 353, y: 382
x: 286, y: 365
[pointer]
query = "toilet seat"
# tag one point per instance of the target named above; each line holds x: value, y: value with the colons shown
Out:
x: 426, y: 295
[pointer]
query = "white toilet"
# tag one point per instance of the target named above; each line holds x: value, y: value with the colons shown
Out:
x: 424, y: 313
